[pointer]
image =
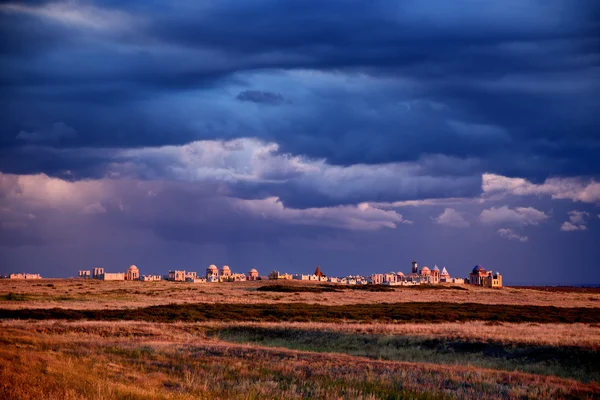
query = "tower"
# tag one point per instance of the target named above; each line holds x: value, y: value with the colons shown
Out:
x: 415, y: 267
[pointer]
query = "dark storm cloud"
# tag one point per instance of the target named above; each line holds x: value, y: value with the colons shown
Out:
x: 511, y: 87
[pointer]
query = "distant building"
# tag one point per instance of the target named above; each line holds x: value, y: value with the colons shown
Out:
x: 132, y: 274
x: 177, y: 276
x: 96, y: 272
x: 150, y: 278
x: 318, y: 272
x: 237, y: 278
x: 253, y: 275
x: 445, y: 276
x: 276, y: 275
x: 225, y: 274
x: 480, y: 277
x: 195, y: 279
x: 212, y: 273
x: 115, y: 276
x: 85, y: 274
x: 191, y: 275
x: 24, y: 276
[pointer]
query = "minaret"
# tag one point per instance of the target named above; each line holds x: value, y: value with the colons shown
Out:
x: 415, y: 267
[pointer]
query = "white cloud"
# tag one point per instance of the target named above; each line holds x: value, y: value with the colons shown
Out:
x: 74, y: 13
x: 558, y: 188
x: 451, y: 217
x: 519, y: 216
x: 252, y: 162
x: 577, y: 221
x: 159, y: 201
x: 511, y: 235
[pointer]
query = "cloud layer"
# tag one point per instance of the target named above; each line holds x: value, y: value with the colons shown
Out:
x: 371, y: 127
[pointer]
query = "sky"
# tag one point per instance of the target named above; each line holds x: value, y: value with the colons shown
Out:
x: 354, y: 135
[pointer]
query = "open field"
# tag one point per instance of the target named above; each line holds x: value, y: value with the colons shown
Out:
x: 397, y: 312
x: 76, y: 339
x: 133, y: 360
x: 92, y: 294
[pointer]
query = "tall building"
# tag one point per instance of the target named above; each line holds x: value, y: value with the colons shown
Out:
x: 415, y: 267
x: 96, y: 272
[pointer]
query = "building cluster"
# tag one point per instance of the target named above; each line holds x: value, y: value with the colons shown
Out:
x: 24, y: 276
x: 417, y: 276
x: 213, y: 274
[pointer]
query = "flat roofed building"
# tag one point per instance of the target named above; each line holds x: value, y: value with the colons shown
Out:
x: 24, y: 276
x: 86, y: 274
x: 176, y: 275
x: 96, y: 272
x: 150, y: 278
x: 112, y: 276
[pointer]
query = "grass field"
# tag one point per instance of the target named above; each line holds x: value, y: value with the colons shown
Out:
x: 92, y: 294
x: 70, y: 339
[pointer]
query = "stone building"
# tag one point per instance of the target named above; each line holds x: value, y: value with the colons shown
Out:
x: 225, y: 274
x: 96, y: 272
x: 253, y: 275
x: 132, y: 274
x: 150, y: 278
x: 480, y: 277
x: 445, y: 276
x: 114, y: 276
x: 24, y: 276
x: 212, y: 273
x: 237, y: 278
x: 177, y: 276
x: 276, y: 275
x: 85, y: 274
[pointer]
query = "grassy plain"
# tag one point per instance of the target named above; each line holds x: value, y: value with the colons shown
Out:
x: 92, y: 294
x: 72, y: 339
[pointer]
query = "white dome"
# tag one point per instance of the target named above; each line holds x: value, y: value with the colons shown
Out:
x: 226, y: 268
x: 212, y: 268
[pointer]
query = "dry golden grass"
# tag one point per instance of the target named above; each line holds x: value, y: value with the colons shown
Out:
x: 92, y: 294
x: 94, y: 360
x: 581, y: 335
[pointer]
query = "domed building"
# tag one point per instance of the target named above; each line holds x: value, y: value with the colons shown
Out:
x: 253, y: 275
x: 133, y: 273
x: 481, y: 277
x: 212, y: 273
x: 225, y: 271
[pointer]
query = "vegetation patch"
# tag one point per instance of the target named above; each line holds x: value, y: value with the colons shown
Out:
x: 562, y: 289
x: 14, y: 297
x: 565, y: 361
x: 297, y: 288
x: 398, y: 312
x: 436, y: 287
